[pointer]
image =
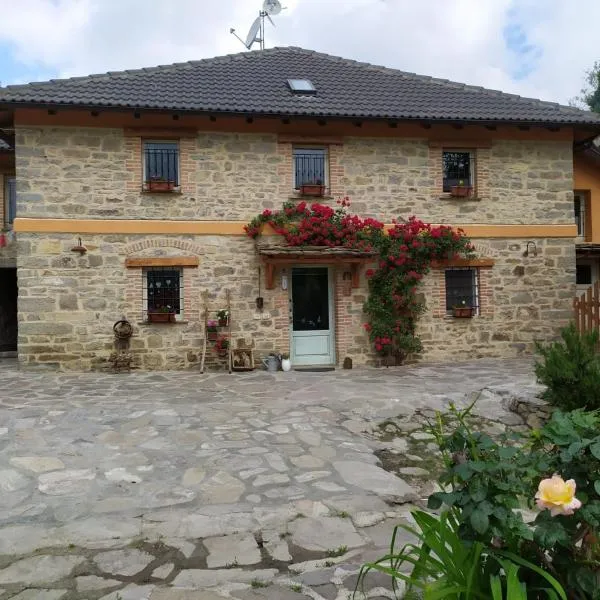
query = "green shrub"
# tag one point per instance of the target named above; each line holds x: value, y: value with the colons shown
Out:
x: 489, y: 483
x: 570, y: 369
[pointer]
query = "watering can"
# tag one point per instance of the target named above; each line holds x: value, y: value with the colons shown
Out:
x: 271, y: 363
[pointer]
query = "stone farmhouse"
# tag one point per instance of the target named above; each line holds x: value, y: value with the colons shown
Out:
x: 126, y: 192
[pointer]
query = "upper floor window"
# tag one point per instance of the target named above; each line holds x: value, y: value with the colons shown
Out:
x: 310, y: 167
x: 161, y: 165
x: 462, y: 289
x: 10, y: 199
x: 163, y: 291
x: 579, y: 206
x: 459, y: 170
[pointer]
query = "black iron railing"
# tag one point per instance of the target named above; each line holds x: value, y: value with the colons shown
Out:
x: 161, y: 160
x: 461, y: 289
x: 457, y: 169
x: 163, y: 290
x: 309, y: 167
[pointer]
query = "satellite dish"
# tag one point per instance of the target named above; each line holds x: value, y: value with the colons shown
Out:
x: 254, y: 29
x: 272, y: 7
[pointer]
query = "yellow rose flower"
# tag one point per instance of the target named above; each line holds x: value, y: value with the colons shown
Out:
x: 557, y: 495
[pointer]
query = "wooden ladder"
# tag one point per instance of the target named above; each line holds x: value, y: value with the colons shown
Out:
x: 206, y: 309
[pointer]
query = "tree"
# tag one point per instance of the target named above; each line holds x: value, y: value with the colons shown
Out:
x: 590, y: 95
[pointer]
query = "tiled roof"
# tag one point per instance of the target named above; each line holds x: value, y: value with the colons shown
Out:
x: 256, y: 83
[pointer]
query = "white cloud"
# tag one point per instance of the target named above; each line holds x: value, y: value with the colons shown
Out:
x: 462, y: 40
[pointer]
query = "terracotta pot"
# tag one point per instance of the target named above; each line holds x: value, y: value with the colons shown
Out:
x: 461, y: 191
x: 223, y: 322
x: 312, y: 190
x: 465, y: 312
x: 161, y: 186
x: 161, y: 317
x: 222, y: 353
x: 212, y: 336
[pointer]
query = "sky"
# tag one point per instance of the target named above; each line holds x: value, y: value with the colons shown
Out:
x: 535, y: 48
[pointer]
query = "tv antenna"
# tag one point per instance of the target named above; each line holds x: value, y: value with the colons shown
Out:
x: 256, y: 34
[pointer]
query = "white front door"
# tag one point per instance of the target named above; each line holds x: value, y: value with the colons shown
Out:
x: 311, y: 305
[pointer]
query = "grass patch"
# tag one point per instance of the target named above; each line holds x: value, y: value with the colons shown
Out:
x: 257, y: 583
x: 335, y: 552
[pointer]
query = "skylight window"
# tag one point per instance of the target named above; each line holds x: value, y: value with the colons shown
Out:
x: 301, y: 86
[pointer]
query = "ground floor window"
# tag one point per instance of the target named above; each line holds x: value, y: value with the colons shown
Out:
x: 462, y: 289
x: 584, y: 275
x: 163, y: 290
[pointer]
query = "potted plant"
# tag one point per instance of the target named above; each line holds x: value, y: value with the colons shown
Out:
x: 223, y: 317
x: 211, y: 330
x: 286, y: 363
x: 312, y: 189
x: 160, y: 184
x: 461, y: 190
x: 462, y: 310
x: 161, y: 314
x: 221, y: 346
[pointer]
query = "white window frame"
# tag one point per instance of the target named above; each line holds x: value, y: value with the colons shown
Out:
x: 580, y: 197
x: 325, y: 150
x: 178, y: 316
x: 153, y: 141
x: 472, y: 162
x: 475, y: 274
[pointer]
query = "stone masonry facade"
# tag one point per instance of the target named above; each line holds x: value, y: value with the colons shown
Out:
x: 68, y: 303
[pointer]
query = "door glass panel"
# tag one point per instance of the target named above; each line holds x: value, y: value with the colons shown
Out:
x: 310, y: 297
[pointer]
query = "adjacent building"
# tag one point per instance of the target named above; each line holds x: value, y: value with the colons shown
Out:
x: 127, y: 192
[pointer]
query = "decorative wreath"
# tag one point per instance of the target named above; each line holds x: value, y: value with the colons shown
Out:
x: 123, y: 329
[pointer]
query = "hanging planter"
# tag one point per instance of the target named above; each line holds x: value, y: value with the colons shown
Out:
x: 312, y: 189
x: 161, y: 317
x: 160, y: 185
x: 463, y: 312
x: 223, y: 317
x: 461, y: 191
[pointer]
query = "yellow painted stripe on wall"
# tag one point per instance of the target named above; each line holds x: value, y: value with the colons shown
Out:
x: 141, y: 227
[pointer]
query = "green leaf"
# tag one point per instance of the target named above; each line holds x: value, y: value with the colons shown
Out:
x: 477, y: 490
x: 550, y: 532
x: 479, y: 521
x: 595, y: 450
x: 435, y: 501
x: 464, y: 471
x: 597, y: 486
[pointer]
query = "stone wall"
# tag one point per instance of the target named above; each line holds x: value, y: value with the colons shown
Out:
x: 96, y: 173
x: 68, y: 303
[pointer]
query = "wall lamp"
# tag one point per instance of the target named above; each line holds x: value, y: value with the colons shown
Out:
x: 529, y: 252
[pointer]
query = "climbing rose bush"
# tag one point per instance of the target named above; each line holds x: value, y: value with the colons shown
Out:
x: 403, y: 256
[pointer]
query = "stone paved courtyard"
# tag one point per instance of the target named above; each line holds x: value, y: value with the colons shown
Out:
x: 180, y: 486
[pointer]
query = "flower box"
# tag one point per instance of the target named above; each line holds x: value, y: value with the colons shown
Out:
x: 161, y: 317
x: 463, y: 312
x: 160, y: 185
x: 461, y: 191
x: 312, y: 189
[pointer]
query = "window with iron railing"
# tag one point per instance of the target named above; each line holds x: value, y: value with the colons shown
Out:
x: 462, y: 289
x: 163, y: 290
x: 10, y: 199
x: 161, y: 165
x: 310, y: 166
x: 458, y: 169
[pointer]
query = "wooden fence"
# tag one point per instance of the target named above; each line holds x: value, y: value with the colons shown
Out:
x: 587, y: 309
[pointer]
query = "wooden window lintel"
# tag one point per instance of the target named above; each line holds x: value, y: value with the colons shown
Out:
x: 163, y: 261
